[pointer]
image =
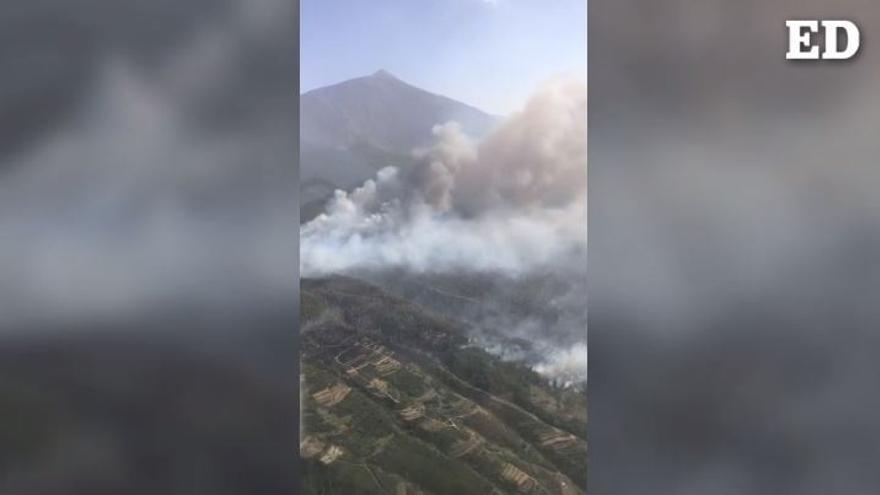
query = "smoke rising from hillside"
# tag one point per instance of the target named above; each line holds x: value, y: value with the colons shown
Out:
x: 512, y: 207
x: 511, y: 203
x: 568, y: 365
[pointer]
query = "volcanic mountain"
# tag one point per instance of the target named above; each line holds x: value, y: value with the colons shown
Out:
x: 350, y: 130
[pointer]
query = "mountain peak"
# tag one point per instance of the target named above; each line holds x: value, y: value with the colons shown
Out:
x: 384, y: 74
x: 380, y: 110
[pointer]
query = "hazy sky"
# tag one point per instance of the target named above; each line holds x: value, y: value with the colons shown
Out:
x: 490, y: 53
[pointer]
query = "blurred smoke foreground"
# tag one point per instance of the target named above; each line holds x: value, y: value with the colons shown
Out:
x: 733, y: 252
x: 148, y: 246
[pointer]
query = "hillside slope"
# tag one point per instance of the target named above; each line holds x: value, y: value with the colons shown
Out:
x: 396, y: 400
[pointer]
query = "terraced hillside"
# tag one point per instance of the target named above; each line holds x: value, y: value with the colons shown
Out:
x: 395, y: 400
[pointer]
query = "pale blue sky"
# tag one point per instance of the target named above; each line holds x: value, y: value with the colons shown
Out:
x: 491, y: 54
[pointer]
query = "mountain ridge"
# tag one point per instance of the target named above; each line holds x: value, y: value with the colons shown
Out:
x: 405, y: 113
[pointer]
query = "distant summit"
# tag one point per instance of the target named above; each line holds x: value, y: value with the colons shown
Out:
x: 351, y: 129
x: 384, y: 74
x: 382, y: 111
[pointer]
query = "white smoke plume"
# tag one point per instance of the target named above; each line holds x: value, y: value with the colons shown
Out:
x: 513, y: 202
x: 567, y: 366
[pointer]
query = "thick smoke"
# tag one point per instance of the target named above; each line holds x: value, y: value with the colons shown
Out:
x: 511, y: 203
x: 507, y: 214
x: 566, y: 365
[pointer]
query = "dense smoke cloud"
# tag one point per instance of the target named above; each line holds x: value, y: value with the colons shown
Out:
x: 507, y: 213
x: 513, y: 202
x: 566, y: 365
